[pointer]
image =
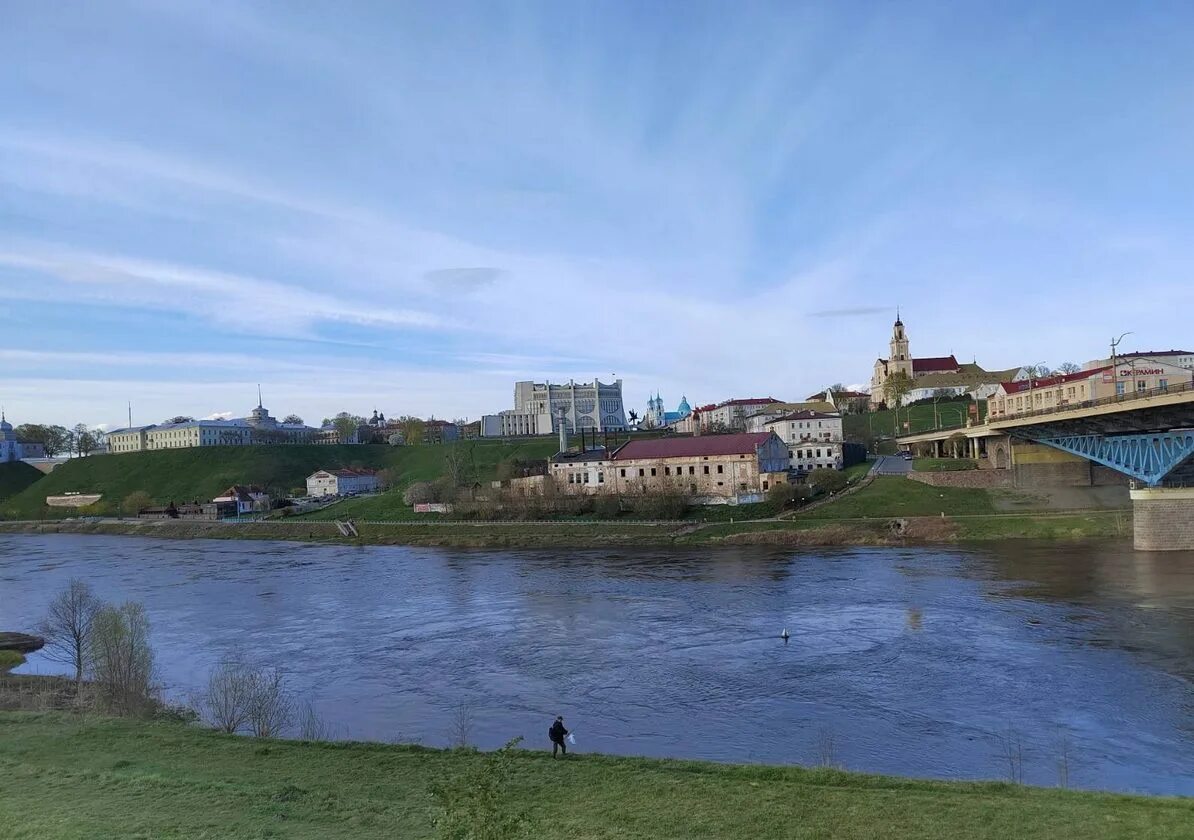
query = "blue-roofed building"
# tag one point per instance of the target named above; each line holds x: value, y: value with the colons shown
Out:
x: 660, y: 418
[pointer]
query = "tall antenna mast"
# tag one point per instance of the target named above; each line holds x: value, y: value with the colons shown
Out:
x: 130, y: 414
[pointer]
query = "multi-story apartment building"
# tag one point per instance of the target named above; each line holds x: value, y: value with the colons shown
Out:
x: 813, y: 438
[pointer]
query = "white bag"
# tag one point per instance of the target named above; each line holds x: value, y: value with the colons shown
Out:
x: 571, y: 739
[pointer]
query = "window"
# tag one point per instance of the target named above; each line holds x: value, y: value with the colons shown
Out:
x: 765, y: 485
x: 666, y: 471
x: 571, y: 478
x: 601, y: 478
x: 706, y: 468
x: 586, y: 478
x: 652, y: 471
x: 692, y: 470
x: 623, y: 473
x: 1163, y: 384
x: 1119, y: 389
x: 641, y: 472
x: 719, y: 469
x: 1141, y: 385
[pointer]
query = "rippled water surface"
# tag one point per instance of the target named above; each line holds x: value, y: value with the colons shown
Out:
x: 911, y: 659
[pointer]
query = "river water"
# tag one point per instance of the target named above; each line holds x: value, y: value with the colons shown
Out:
x: 912, y: 661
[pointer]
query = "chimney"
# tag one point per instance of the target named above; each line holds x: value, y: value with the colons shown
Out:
x: 563, y: 430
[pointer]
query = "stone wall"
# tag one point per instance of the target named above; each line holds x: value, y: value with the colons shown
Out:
x: 1037, y: 465
x: 965, y: 478
x: 1163, y: 518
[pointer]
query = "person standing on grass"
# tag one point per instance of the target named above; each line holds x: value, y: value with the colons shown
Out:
x: 557, y: 733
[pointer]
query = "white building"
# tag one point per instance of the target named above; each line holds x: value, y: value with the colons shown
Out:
x: 1179, y: 358
x: 814, y: 439
x: 248, y: 499
x: 341, y: 482
x: 12, y: 449
x: 538, y: 407
x: 258, y: 428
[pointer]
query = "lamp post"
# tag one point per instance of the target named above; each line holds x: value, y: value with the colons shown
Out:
x: 1114, y: 363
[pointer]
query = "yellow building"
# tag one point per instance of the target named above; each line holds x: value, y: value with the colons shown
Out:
x: 1129, y: 375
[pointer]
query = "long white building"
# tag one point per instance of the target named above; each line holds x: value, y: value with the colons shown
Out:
x: 258, y: 428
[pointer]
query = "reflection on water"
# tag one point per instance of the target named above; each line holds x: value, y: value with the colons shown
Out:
x: 913, y: 659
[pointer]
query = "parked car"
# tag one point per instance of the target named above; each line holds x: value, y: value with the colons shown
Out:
x: 906, y: 455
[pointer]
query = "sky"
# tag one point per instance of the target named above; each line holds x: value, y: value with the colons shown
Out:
x: 410, y: 206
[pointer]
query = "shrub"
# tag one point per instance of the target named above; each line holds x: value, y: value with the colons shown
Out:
x: 421, y: 492
x: 10, y: 659
x: 479, y: 803
x: 121, y: 659
x: 787, y: 495
x: 827, y: 481
x: 607, y: 507
x: 135, y: 502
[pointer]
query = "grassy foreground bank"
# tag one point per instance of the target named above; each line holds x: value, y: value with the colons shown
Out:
x: 63, y: 778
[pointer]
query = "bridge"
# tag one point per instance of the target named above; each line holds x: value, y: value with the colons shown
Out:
x: 1147, y: 436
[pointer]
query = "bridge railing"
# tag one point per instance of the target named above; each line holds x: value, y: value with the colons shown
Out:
x: 1101, y: 401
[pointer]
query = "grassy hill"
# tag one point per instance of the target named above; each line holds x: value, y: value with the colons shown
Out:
x: 202, y: 472
x: 15, y: 476
x: 859, y: 427
x: 66, y: 776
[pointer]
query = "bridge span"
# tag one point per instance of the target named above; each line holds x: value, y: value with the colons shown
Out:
x: 1144, y: 437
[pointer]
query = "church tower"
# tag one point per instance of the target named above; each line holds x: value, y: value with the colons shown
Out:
x: 901, y: 356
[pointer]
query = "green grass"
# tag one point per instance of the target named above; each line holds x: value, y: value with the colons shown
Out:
x: 1077, y: 526
x: 202, y: 472
x: 943, y: 464
x: 919, y: 418
x: 62, y: 778
x: 15, y: 477
x: 894, y: 496
x: 856, y: 471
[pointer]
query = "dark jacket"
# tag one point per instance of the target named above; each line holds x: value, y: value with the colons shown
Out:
x: 557, y: 732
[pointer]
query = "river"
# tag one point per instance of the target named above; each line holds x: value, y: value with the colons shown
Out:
x: 911, y: 661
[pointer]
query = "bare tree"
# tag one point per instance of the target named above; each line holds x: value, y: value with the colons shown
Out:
x: 826, y: 748
x: 135, y: 502
x: 68, y: 626
x: 895, y: 388
x: 120, y: 659
x: 225, y: 703
x: 1064, y: 751
x: 1038, y: 371
x: 460, y: 463
x: 271, y: 708
x: 461, y: 728
x: 312, y: 726
x: 1068, y: 367
x: 1010, y: 752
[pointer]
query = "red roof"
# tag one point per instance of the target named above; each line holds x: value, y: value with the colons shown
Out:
x: 751, y: 401
x: 806, y: 414
x: 1025, y: 384
x: 690, y: 447
x: 932, y: 364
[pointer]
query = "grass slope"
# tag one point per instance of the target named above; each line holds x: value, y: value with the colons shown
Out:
x: 63, y: 778
x: 893, y: 495
x: 16, y: 476
x: 202, y: 472
x: 919, y: 418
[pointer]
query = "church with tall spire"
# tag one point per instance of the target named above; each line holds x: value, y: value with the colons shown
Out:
x: 900, y: 360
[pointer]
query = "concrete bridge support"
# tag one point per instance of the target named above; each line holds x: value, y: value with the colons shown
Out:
x: 1163, y: 518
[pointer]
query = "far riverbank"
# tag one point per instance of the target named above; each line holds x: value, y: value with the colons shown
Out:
x: 796, y: 531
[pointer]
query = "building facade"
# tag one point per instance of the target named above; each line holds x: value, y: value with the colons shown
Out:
x: 258, y: 428
x: 14, y: 449
x: 1129, y: 375
x: 341, y: 482
x: 713, y: 468
x: 540, y: 406
x: 1180, y: 358
x: 813, y: 438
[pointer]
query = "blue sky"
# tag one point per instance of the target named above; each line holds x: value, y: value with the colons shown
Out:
x: 410, y: 206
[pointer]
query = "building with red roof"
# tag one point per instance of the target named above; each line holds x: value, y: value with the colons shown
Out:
x: 900, y: 360
x: 706, y: 467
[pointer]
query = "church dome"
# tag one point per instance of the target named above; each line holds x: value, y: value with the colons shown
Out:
x: 684, y: 409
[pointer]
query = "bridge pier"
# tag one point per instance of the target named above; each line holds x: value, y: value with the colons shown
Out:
x: 1163, y: 518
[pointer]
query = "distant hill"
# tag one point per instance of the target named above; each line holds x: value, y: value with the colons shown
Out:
x: 202, y: 472
x: 15, y: 476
